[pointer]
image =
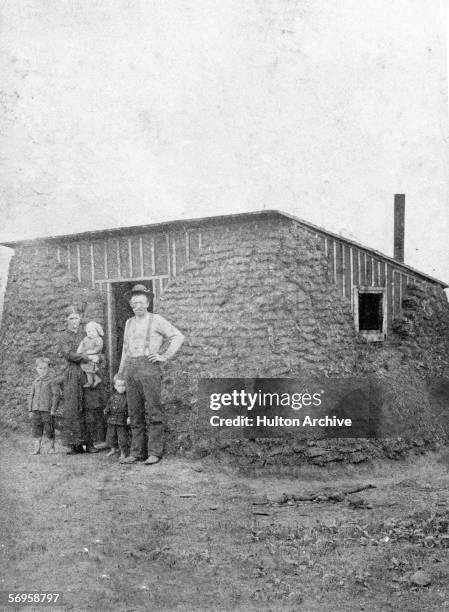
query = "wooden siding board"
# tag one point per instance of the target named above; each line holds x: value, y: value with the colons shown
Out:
x: 348, y: 272
x: 141, y: 255
x: 404, y: 278
x: 146, y: 252
x: 339, y: 265
x: 63, y: 255
x: 98, y: 251
x: 375, y: 268
x: 112, y: 255
x: 330, y: 260
x: 396, y: 293
x: 73, y: 254
x: 171, y: 257
x: 334, y: 261
x: 161, y: 254
x: 135, y: 257
x: 171, y: 247
x: 365, y: 269
x: 355, y: 268
x: 180, y: 251
x: 85, y: 263
x: 389, y: 291
x: 123, y: 247
x: 92, y: 265
x: 381, y: 273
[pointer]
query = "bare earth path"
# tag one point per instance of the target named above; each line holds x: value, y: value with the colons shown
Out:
x: 189, y: 536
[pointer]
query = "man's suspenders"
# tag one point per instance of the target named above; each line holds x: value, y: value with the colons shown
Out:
x: 148, y: 335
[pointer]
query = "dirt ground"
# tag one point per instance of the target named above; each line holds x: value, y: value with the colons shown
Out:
x: 189, y: 535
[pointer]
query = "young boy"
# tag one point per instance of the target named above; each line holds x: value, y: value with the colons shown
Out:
x: 116, y: 413
x: 42, y: 404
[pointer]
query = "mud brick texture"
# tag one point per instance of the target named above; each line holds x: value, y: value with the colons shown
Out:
x: 258, y: 301
x: 38, y: 295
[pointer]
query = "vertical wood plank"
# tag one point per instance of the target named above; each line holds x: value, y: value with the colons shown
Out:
x: 130, y: 257
x: 119, y: 270
x: 169, y: 268
x: 141, y: 256
x: 173, y: 254
x: 98, y: 250
x: 388, y: 286
x: 78, y: 261
x: 393, y: 292
x: 69, y: 259
x: 58, y: 254
x: 403, y: 288
x: 106, y: 267
x: 153, y: 259
x: 334, y: 249
x: 351, y: 271
x: 343, y: 270
x: 355, y: 267
x: 359, y: 267
x: 92, y: 264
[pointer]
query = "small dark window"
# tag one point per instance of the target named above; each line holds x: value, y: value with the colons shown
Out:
x: 370, y: 311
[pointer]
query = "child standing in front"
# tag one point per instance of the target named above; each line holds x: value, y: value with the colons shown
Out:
x: 92, y: 345
x: 116, y: 413
x: 43, y: 401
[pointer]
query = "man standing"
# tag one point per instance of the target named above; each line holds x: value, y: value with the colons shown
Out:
x: 140, y: 368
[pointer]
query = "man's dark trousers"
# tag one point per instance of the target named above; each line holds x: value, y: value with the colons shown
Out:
x: 143, y: 393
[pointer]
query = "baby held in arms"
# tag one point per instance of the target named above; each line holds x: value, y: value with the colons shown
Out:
x: 92, y: 345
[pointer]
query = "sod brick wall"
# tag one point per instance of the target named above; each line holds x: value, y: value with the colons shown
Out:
x: 257, y: 301
x: 38, y: 293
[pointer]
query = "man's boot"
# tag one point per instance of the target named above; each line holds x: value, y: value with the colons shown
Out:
x: 37, y: 446
x: 51, y: 446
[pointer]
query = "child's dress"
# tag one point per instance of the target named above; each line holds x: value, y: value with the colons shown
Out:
x: 90, y: 346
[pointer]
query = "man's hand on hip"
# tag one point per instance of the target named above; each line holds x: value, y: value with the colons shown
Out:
x: 155, y: 358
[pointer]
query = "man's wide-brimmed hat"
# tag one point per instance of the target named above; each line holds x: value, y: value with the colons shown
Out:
x: 139, y: 290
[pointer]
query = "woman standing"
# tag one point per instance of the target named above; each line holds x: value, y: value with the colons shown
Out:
x: 76, y: 432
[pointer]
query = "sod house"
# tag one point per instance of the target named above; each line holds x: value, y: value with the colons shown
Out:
x: 256, y: 295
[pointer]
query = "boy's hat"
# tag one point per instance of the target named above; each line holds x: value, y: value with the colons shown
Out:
x: 139, y: 290
x: 42, y: 361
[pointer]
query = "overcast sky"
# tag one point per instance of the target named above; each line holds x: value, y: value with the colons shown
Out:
x: 122, y: 112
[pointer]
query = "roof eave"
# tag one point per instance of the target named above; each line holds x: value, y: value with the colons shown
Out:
x: 181, y: 223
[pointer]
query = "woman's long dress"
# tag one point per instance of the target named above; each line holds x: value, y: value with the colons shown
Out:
x: 74, y: 412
